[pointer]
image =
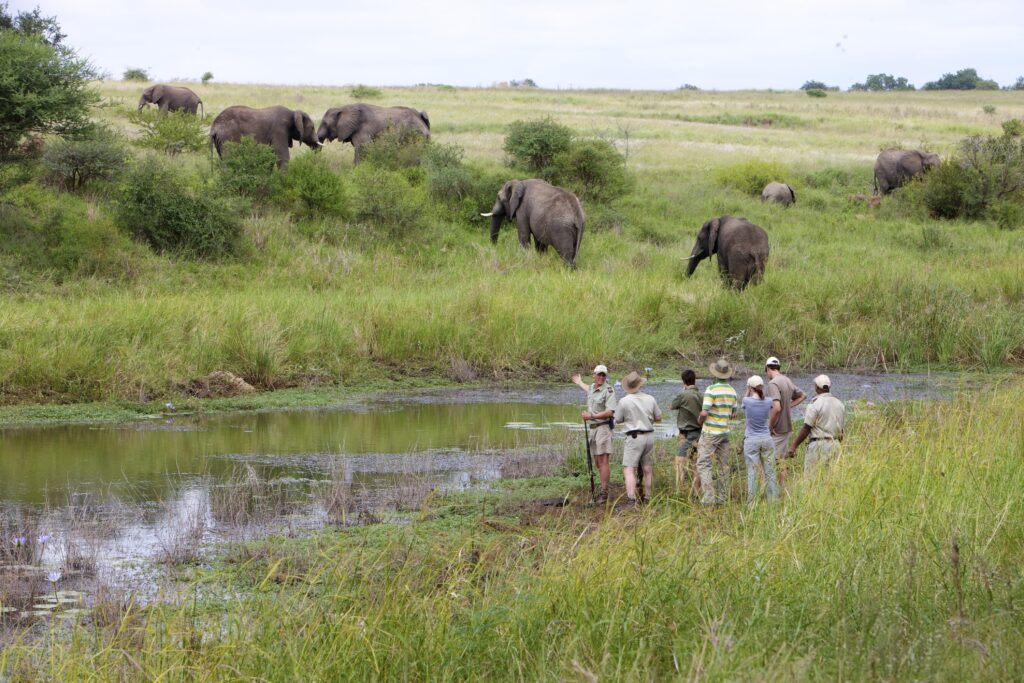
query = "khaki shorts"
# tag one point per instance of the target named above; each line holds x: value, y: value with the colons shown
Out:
x: 600, y: 440
x: 638, y: 451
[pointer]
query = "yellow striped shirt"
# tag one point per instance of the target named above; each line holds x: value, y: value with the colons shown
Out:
x: 719, y: 402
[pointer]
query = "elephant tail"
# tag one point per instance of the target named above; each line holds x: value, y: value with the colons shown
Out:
x: 202, y: 109
x: 425, y: 119
x: 579, y: 234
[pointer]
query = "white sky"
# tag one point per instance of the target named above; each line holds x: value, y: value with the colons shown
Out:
x: 726, y: 45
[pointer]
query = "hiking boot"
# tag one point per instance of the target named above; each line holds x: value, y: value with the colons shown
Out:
x: 602, y: 497
x: 630, y: 504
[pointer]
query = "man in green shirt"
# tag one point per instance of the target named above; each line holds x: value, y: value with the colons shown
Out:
x: 601, y: 404
x: 688, y: 405
x: 713, y: 447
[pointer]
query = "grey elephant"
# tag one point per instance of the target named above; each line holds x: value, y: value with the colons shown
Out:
x: 551, y: 215
x: 274, y: 126
x: 171, y: 98
x: 361, y: 123
x: 780, y: 193
x: 741, y: 246
x: 893, y: 167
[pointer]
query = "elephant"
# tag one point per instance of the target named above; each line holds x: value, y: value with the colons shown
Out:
x: 742, y: 249
x: 893, y: 167
x: 274, y: 126
x: 360, y: 123
x: 552, y: 215
x: 780, y: 193
x: 171, y: 98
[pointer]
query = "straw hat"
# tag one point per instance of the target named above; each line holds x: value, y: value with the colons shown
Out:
x: 721, y: 369
x: 632, y: 382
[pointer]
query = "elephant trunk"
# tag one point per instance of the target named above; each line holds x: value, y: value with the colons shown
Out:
x: 696, y: 256
x: 142, y: 102
x: 497, y: 217
x: 322, y: 134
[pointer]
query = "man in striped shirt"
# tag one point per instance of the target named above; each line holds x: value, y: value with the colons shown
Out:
x: 713, y: 447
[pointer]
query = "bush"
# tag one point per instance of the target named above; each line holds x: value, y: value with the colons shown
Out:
x: 594, y: 169
x: 816, y: 92
x: 386, y: 200
x: 448, y: 179
x: 750, y: 177
x: 135, y: 74
x: 248, y: 168
x: 365, y: 92
x: 71, y: 164
x: 1008, y: 215
x: 170, y: 132
x: 533, y: 145
x: 1013, y: 128
x: 951, y: 191
x: 207, y: 77
x: 984, y: 177
x: 310, y: 184
x: 398, y: 148
x: 157, y: 206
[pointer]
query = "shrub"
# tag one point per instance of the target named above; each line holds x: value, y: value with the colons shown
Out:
x: 157, y: 206
x: 310, y: 183
x: 828, y: 177
x: 989, y: 109
x: 207, y: 77
x: 533, y: 145
x: 593, y: 169
x: 386, y: 200
x: 1008, y: 215
x: 365, y: 92
x: 952, y: 190
x: 1013, y: 127
x: 816, y: 92
x: 70, y: 164
x: 135, y: 74
x: 248, y: 168
x: 750, y: 177
x: 448, y: 179
x: 396, y: 149
x: 170, y: 132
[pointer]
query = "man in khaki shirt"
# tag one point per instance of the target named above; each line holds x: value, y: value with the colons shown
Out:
x: 824, y: 423
x: 601, y: 404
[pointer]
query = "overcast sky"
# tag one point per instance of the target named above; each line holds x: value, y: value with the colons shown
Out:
x: 728, y: 44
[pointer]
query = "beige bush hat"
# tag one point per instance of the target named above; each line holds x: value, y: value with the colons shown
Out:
x: 755, y: 381
x: 632, y: 382
x: 601, y: 369
x: 721, y: 369
x: 822, y: 382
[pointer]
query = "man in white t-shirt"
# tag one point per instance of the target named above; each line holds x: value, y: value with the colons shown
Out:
x: 637, y: 412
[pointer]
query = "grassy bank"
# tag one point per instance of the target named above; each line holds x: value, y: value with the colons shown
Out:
x: 328, y: 302
x: 903, y: 565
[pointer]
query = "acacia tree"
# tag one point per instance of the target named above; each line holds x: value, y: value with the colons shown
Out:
x: 44, y: 85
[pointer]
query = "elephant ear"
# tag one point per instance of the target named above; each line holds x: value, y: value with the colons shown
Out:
x: 347, y: 122
x: 157, y: 94
x: 299, y: 119
x: 713, y: 226
x: 516, y: 197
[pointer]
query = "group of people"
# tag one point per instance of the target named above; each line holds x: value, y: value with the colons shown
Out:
x: 704, y: 431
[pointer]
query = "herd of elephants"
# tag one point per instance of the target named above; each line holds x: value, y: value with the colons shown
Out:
x: 551, y: 216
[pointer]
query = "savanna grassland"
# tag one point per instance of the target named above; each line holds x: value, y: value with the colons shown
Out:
x: 315, y: 302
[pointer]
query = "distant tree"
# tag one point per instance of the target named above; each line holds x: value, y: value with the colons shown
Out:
x: 813, y: 85
x: 207, y: 77
x: 135, y: 74
x: 883, y: 83
x: 1019, y: 85
x: 964, y: 79
x: 525, y: 83
x: 688, y: 86
x: 44, y: 85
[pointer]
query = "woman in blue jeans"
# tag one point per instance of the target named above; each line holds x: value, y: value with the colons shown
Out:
x: 758, y: 447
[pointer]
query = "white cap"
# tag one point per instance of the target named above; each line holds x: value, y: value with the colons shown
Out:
x: 772, y: 360
x: 600, y: 369
x: 755, y: 381
x: 822, y: 381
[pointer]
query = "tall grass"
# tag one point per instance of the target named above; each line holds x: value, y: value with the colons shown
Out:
x: 903, y: 564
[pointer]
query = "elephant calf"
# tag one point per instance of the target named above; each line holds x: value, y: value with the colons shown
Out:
x: 171, y: 98
x: 894, y: 167
x: 780, y: 193
x: 551, y: 215
x: 742, y: 249
x: 274, y: 126
x: 361, y: 123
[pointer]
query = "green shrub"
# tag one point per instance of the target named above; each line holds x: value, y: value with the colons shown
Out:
x: 135, y: 74
x: 248, y: 168
x: 448, y: 179
x: 533, y: 145
x: 982, y: 173
x: 157, y: 206
x: 593, y: 168
x: 828, y: 177
x: 386, y: 200
x: 171, y: 132
x: 365, y: 92
x: 1013, y: 127
x: 1008, y: 215
x: 70, y: 164
x: 750, y: 177
x: 315, y: 189
x: 816, y: 92
x: 207, y: 77
x: 952, y: 190
x: 397, y: 148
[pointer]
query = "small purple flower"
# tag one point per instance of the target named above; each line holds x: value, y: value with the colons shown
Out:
x: 169, y: 405
x: 20, y: 541
x: 44, y: 538
x: 648, y: 370
x: 53, y: 577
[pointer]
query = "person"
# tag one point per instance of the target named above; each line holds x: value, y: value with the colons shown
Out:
x: 786, y: 396
x: 825, y: 424
x: 688, y: 404
x: 758, y: 447
x: 637, y: 412
x: 713, y: 447
x: 601, y: 403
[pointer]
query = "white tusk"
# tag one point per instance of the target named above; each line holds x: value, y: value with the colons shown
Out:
x: 487, y: 215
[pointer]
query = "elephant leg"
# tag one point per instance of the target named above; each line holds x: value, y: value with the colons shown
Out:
x: 282, y: 154
x: 524, y: 232
x: 539, y: 246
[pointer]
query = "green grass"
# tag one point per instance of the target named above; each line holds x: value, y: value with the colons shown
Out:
x: 901, y: 565
x: 312, y: 301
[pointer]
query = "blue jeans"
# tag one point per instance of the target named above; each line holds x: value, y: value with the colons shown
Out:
x: 760, y: 450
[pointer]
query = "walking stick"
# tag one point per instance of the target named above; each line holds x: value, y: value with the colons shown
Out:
x: 590, y: 463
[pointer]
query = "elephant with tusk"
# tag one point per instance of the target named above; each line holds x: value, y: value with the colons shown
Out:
x: 552, y: 216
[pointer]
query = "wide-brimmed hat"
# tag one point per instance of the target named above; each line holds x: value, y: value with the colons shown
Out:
x: 601, y: 369
x: 721, y: 369
x: 632, y: 382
